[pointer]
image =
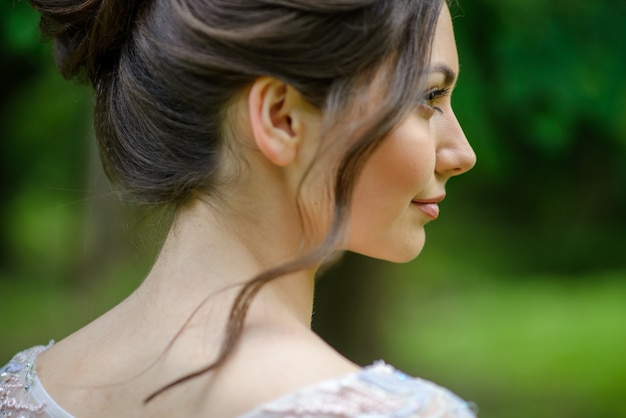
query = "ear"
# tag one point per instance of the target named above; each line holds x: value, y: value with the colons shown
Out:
x: 275, y: 119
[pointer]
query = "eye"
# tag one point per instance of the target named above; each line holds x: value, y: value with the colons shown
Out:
x: 432, y: 97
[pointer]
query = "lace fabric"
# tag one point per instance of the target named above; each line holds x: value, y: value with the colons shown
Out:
x: 377, y: 391
x: 21, y: 392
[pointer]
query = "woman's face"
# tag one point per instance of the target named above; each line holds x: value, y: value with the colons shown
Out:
x: 404, y: 180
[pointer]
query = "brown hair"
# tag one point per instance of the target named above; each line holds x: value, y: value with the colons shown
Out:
x: 164, y: 72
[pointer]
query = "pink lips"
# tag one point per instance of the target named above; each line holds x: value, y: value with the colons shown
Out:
x: 429, y: 207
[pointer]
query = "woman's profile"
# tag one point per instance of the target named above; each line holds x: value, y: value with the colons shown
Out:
x: 281, y: 133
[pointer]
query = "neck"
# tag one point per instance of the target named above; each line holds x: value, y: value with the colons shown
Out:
x: 208, y: 253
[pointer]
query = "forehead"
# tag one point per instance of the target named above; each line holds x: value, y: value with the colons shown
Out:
x: 444, y: 51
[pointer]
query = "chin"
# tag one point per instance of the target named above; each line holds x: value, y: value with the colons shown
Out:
x: 397, y: 251
x: 404, y: 256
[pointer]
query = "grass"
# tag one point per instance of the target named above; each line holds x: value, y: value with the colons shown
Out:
x: 519, y: 344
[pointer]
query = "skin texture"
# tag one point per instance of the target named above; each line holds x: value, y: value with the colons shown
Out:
x: 212, y: 247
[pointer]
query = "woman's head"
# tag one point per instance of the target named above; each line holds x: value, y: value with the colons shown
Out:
x: 401, y: 182
x: 165, y: 72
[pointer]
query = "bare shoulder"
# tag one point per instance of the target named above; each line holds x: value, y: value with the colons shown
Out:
x: 269, y: 365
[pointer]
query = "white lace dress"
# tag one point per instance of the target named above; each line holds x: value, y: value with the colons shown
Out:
x: 377, y: 391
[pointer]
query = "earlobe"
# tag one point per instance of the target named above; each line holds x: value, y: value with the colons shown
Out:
x: 273, y: 121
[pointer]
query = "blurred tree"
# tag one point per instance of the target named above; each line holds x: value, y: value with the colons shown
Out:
x: 542, y: 98
x: 43, y: 126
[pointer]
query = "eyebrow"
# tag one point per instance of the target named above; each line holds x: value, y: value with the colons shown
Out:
x: 449, y: 75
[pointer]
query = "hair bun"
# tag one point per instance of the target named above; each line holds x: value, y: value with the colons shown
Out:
x: 88, y: 34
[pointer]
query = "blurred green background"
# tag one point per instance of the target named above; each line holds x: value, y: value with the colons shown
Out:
x: 518, y: 302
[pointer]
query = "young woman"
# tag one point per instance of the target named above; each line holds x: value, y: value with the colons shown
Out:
x: 282, y: 132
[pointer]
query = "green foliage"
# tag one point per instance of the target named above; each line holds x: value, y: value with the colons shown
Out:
x: 45, y: 138
x: 19, y: 26
x: 542, y: 97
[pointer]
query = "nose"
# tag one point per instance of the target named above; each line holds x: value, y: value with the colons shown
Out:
x: 455, y: 155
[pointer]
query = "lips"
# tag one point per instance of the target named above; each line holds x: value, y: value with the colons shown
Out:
x: 430, y: 207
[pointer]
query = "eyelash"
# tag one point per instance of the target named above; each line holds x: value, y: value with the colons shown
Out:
x: 432, y: 96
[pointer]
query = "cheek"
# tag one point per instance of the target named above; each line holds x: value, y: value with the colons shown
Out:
x: 401, y: 169
x: 402, y: 166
